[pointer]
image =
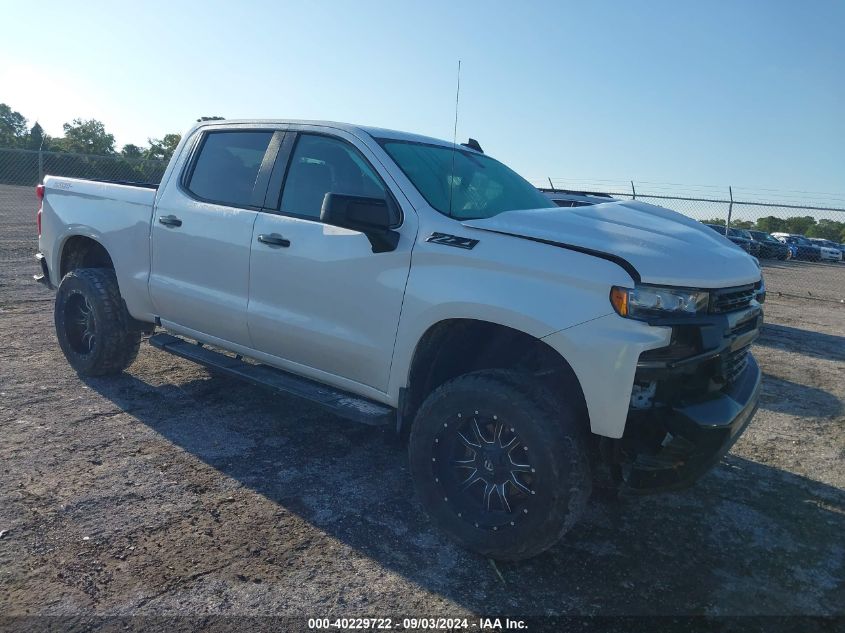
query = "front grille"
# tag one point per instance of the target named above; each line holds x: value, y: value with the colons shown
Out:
x: 735, y: 364
x: 731, y: 299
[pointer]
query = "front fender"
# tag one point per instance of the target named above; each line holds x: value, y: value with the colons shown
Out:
x: 603, y: 353
x: 534, y: 288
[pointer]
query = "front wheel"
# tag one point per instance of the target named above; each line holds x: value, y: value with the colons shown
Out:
x: 92, y: 324
x: 500, y: 464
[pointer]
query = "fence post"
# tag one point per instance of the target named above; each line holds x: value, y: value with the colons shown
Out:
x: 633, y: 191
x: 40, y: 167
x: 730, y: 207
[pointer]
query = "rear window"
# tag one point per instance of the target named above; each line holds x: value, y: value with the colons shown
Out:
x: 227, y: 165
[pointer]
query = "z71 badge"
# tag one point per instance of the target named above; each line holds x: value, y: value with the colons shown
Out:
x: 452, y: 240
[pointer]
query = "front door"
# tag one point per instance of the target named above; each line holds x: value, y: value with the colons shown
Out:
x: 320, y: 300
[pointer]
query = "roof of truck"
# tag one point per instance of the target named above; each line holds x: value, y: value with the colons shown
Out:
x: 375, y: 132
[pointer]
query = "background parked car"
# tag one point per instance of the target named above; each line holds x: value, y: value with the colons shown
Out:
x: 769, y: 247
x: 569, y: 198
x: 754, y: 247
x: 823, y: 243
x: 804, y: 248
x: 743, y: 243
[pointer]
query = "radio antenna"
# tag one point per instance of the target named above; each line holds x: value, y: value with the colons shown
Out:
x: 454, y: 139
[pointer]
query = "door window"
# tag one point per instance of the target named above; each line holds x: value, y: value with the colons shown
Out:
x: 227, y: 166
x: 322, y: 165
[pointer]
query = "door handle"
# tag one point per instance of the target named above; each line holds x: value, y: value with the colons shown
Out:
x: 273, y: 239
x: 169, y: 220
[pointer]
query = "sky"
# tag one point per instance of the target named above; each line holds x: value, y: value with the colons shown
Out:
x: 716, y: 93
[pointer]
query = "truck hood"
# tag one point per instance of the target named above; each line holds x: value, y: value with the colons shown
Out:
x: 662, y: 246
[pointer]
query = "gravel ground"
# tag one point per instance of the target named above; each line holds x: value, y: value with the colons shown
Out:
x: 817, y: 280
x: 167, y: 490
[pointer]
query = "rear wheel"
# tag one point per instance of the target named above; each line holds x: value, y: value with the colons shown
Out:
x: 92, y: 324
x: 500, y: 464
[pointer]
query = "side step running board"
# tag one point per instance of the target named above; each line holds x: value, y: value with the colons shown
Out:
x: 339, y: 402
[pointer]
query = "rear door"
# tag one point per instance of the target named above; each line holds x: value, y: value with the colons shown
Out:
x: 320, y: 300
x: 202, y: 233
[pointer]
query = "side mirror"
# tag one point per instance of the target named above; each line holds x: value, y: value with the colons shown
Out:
x: 371, y: 216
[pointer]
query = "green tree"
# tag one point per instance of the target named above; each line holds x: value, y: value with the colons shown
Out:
x: 800, y: 225
x: 86, y: 137
x: 210, y: 118
x: 132, y: 151
x: 741, y: 224
x: 37, y: 139
x: 828, y: 229
x: 718, y: 221
x: 13, y: 132
x: 771, y: 224
x: 162, y: 149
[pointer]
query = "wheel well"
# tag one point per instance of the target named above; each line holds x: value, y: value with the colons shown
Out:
x: 83, y: 252
x: 458, y: 346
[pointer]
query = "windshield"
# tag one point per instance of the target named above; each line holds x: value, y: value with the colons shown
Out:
x: 762, y: 237
x: 795, y: 239
x: 461, y: 184
x: 740, y: 233
x: 718, y: 228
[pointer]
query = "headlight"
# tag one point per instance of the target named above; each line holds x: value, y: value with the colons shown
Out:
x: 643, y: 302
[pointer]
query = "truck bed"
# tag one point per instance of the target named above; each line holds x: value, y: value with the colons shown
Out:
x: 126, y: 183
x: 117, y: 215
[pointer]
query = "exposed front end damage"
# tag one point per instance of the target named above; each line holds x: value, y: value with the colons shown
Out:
x: 691, y: 399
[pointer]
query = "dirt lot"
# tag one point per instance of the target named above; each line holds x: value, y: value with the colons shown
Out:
x: 167, y: 490
x: 818, y: 280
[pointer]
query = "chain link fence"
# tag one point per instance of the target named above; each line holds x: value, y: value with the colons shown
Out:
x: 20, y: 171
x: 811, y: 264
x: 28, y: 167
x: 809, y: 267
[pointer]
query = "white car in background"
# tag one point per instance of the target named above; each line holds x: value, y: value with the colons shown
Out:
x: 808, y: 249
x: 833, y: 249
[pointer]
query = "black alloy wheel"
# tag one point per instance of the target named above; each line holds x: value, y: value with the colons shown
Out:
x: 500, y: 463
x: 485, y: 467
x: 93, y: 327
x: 80, y: 323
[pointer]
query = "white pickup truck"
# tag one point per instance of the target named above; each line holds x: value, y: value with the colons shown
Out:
x: 524, y: 350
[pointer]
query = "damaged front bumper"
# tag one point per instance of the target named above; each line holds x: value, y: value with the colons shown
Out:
x: 675, y: 446
x: 691, y: 402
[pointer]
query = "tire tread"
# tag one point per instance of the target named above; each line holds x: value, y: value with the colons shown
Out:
x: 119, y: 343
x: 568, y: 430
